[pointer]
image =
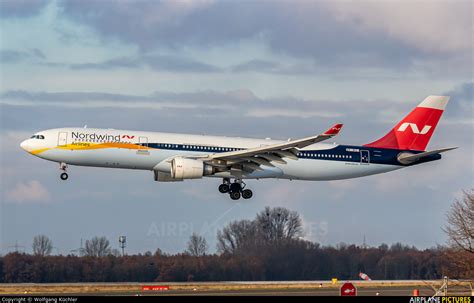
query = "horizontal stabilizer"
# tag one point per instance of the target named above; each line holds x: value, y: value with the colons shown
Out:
x: 407, y: 158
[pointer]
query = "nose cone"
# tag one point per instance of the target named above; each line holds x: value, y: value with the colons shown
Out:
x: 25, y: 145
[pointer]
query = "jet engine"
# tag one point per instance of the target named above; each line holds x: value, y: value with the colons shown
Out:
x: 185, y: 168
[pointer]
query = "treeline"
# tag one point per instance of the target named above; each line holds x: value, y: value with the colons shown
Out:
x: 294, y: 260
x: 267, y: 248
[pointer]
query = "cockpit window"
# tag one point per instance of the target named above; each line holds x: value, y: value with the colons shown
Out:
x: 37, y: 137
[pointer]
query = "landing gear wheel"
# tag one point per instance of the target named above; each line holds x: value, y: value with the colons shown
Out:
x: 235, y: 195
x: 247, y: 194
x: 235, y: 187
x: 224, y: 188
x: 64, y: 176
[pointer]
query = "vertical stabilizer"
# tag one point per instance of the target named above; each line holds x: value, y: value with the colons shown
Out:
x: 415, y: 130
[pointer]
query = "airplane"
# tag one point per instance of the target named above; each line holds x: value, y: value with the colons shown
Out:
x: 177, y: 157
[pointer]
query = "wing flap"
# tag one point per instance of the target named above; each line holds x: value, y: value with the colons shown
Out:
x: 251, y: 166
x: 286, y: 154
x: 272, y: 158
x: 259, y: 161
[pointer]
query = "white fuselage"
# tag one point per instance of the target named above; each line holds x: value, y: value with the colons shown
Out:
x: 144, y: 150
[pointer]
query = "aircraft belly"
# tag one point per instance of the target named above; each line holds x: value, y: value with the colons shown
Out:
x: 267, y: 172
x: 117, y: 157
x: 305, y: 169
x: 302, y: 169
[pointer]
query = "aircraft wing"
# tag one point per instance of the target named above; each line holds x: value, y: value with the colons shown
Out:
x: 251, y: 159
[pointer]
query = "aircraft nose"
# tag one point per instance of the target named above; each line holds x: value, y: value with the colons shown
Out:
x: 25, y: 145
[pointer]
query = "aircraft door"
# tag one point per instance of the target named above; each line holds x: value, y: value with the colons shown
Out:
x: 62, y: 138
x: 364, y: 157
x: 143, y: 142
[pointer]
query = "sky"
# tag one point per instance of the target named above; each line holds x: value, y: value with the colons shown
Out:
x: 279, y: 69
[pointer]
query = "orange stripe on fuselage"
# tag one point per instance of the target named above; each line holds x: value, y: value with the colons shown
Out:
x: 91, y: 146
x: 39, y: 151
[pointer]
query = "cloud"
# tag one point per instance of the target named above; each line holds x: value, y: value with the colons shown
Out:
x: 28, y: 192
x: 179, y: 64
x: 37, y: 53
x: 15, y: 56
x: 256, y: 65
x: 155, y: 62
x: 332, y: 33
x: 241, y: 103
x: 166, y: 63
x: 11, y: 56
x: 67, y: 96
x: 21, y: 8
x: 272, y: 67
x: 296, y: 113
x: 462, y: 101
x: 431, y: 26
x: 154, y: 21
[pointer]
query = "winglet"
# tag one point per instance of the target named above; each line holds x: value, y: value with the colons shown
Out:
x: 334, y: 130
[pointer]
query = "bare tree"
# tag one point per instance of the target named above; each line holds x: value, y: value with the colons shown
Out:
x: 97, y: 247
x: 271, y: 226
x: 236, y: 236
x: 197, y: 245
x: 460, y: 227
x: 42, y: 245
x: 278, y: 224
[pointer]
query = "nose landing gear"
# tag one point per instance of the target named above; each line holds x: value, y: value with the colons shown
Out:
x: 63, y: 167
x: 235, y: 190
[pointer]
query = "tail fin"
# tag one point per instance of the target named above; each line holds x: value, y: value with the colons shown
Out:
x: 415, y: 130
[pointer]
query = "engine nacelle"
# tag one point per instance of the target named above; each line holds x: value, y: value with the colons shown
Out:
x: 165, y: 177
x: 184, y: 168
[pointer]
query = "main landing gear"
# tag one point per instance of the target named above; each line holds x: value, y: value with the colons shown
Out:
x: 235, y: 189
x: 64, y: 175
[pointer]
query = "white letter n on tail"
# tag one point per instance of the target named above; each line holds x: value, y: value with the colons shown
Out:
x: 414, y: 128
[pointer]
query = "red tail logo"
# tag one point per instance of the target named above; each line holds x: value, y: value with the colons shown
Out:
x: 406, y: 135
